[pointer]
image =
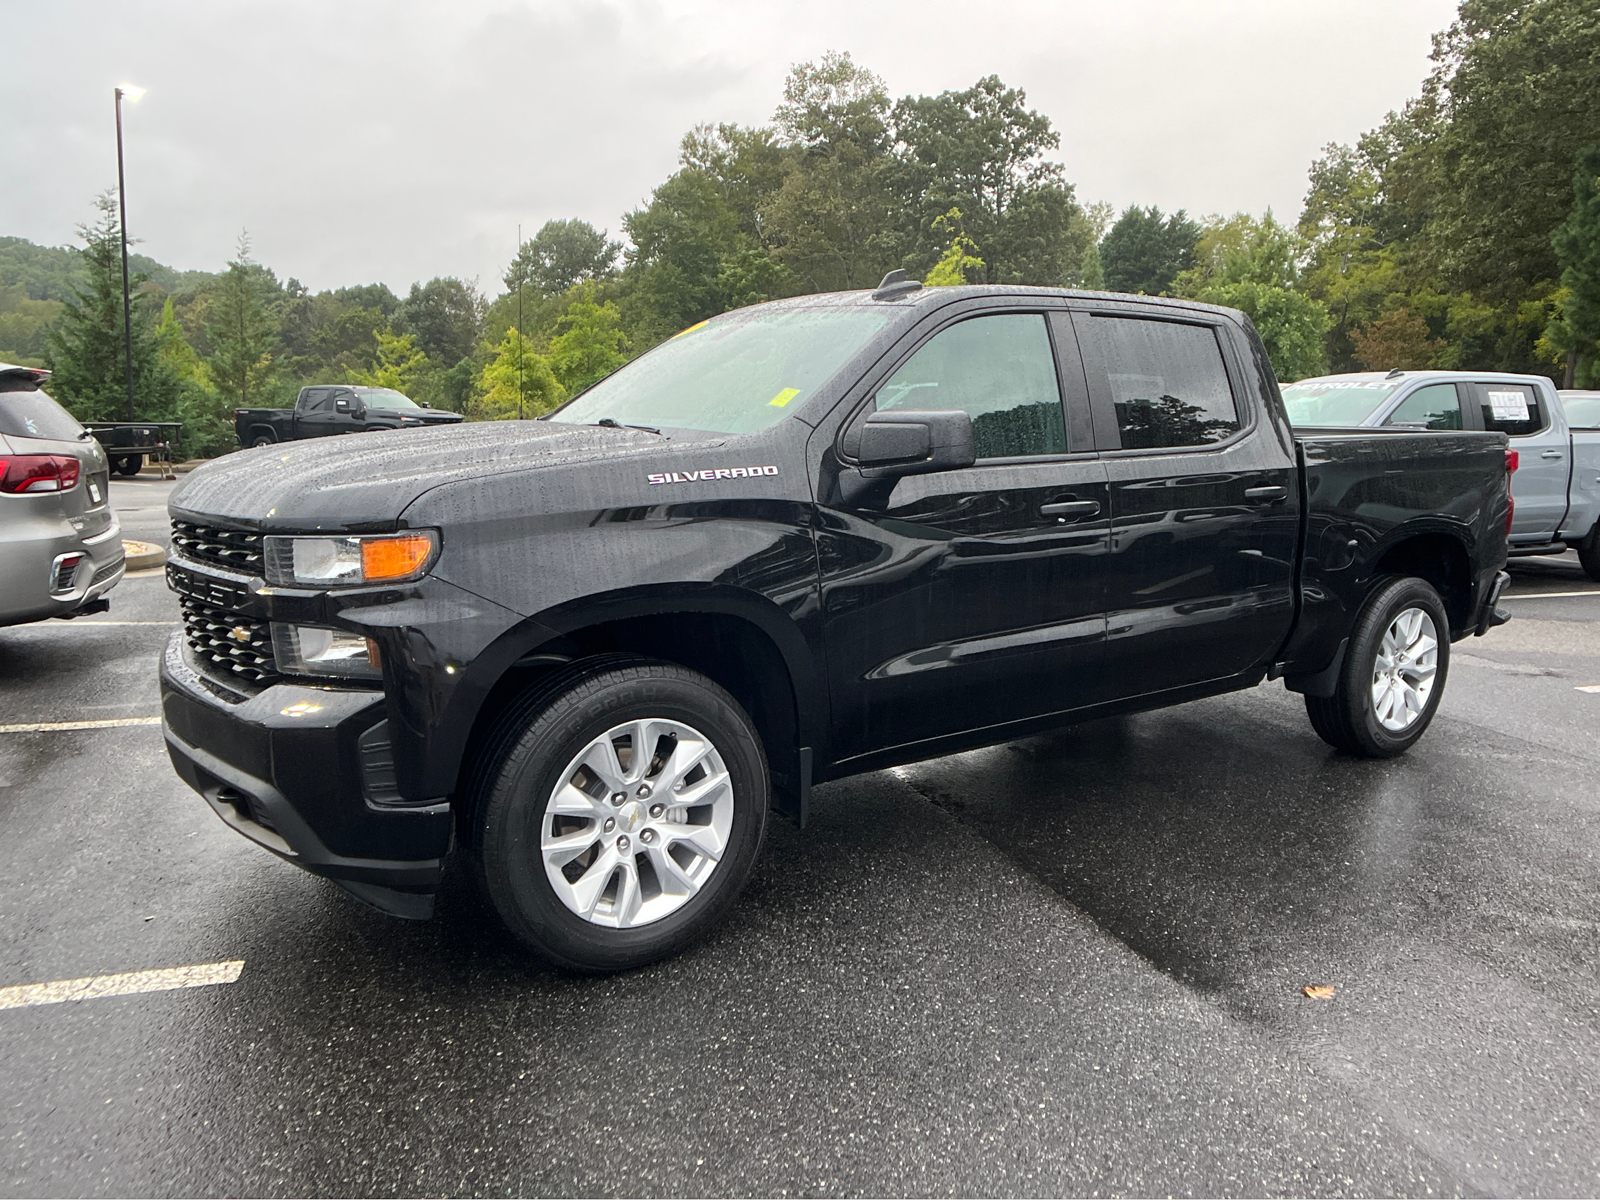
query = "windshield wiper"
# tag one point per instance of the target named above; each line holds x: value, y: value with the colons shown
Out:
x: 609, y: 423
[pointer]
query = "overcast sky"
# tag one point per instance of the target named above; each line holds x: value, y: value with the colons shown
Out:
x: 398, y: 141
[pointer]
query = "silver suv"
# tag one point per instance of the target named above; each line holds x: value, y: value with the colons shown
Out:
x: 60, y: 543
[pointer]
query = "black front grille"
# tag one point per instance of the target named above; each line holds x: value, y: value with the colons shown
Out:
x: 237, y: 646
x: 235, y: 549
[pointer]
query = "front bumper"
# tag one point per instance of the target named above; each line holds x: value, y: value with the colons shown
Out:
x: 299, y: 770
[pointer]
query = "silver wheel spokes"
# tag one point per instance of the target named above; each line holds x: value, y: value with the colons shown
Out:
x: 1402, y: 677
x: 638, y: 823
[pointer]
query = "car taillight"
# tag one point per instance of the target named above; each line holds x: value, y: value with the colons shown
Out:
x: 1513, y: 460
x: 27, y: 473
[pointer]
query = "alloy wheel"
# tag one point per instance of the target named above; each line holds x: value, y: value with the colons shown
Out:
x: 1404, y: 671
x: 637, y: 824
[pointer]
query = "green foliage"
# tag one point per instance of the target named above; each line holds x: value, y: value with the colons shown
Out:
x: 1514, y: 84
x: 207, y: 419
x: 1144, y: 251
x: 445, y: 315
x: 400, y: 363
x: 517, y: 382
x: 242, y: 331
x: 560, y: 256
x: 982, y: 150
x: 959, y: 260
x: 1292, y: 325
x: 589, y: 343
x: 24, y: 324
x: 1253, y: 265
x: 85, y: 347
x: 1577, y: 245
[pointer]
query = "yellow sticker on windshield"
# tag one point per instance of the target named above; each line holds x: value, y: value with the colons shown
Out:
x: 692, y: 328
x: 783, y: 397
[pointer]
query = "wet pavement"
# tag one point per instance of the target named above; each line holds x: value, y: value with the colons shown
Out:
x: 1070, y: 964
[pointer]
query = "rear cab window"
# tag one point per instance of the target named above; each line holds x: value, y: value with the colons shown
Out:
x: 1157, y: 383
x: 1510, y: 408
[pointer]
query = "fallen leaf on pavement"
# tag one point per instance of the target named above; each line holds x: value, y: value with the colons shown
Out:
x: 1317, y: 991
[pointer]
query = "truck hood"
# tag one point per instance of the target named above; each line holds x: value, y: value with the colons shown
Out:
x: 363, y: 482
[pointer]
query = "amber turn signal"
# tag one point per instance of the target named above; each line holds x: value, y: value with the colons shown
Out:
x: 394, y: 557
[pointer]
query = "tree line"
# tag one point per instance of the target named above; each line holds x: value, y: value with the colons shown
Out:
x: 1464, y: 231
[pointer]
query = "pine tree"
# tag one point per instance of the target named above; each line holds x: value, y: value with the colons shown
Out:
x: 241, y: 331
x: 85, y: 350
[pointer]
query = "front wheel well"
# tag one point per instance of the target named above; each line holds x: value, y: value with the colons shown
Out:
x: 730, y: 650
x: 1442, y: 561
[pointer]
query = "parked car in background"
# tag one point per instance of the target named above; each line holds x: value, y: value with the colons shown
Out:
x: 60, y: 543
x: 1556, y: 487
x: 326, y: 409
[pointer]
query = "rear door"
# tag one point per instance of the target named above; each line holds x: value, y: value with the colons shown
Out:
x: 971, y: 598
x: 1544, y: 465
x: 314, y: 414
x: 1204, y: 508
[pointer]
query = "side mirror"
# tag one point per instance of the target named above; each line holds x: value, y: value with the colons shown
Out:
x: 341, y: 405
x: 900, y: 442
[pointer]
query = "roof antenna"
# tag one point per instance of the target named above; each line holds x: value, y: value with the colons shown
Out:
x: 1394, y: 374
x: 894, y: 285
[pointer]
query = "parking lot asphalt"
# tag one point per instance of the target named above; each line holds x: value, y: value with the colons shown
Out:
x: 1071, y: 964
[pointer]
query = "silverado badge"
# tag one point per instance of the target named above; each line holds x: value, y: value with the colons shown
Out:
x: 709, y: 475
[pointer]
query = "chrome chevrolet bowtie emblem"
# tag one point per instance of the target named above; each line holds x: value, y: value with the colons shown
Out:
x: 240, y: 633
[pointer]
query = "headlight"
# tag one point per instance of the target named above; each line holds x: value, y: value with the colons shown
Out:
x: 312, y: 650
x: 342, y: 561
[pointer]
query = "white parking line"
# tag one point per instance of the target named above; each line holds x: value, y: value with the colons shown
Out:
x: 166, y: 979
x: 68, y: 726
x: 1593, y: 689
x: 1548, y: 595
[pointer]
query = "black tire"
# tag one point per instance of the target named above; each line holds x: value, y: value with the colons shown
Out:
x: 263, y: 439
x: 521, y: 765
x: 129, y: 464
x: 1589, y: 555
x: 1348, y: 720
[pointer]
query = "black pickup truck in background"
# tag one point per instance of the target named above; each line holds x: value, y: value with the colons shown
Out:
x: 326, y: 409
x: 803, y: 540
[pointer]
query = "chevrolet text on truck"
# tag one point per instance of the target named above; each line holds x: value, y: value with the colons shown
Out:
x: 582, y: 656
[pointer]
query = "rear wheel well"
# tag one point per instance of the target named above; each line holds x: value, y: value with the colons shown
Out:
x: 1442, y: 561
x: 733, y: 652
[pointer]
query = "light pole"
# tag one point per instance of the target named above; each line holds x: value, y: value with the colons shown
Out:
x: 133, y: 94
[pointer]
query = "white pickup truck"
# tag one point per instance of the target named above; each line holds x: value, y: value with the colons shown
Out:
x: 1556, y: 487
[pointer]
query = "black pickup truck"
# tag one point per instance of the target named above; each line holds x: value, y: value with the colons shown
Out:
x: 326, y: 409
x: 584, y: 655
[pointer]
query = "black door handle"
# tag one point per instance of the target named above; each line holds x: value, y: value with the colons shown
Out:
x: 1071, y: 508
x: 1270, y: 492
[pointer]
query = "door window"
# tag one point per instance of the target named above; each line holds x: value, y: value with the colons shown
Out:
x: 1512, y: 408
x: 318, y: 401
x: 1165, y: 381
x: 1437, y: 406
x: 1001, y: 370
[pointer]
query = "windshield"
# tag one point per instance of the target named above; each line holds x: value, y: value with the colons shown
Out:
x: 738, y: 373
x: 32, y: 414
x: 385, y: 398
x: 1336, y: 401
x: 1583, y: 412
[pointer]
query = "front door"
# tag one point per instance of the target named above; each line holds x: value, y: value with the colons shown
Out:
x: 970, y: 598
x: 1204, y: 507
